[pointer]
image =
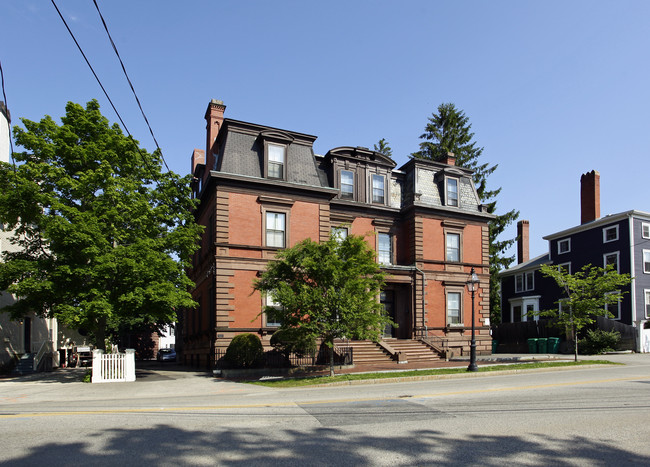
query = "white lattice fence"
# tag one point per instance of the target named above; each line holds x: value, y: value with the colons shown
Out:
x: 114, y: 367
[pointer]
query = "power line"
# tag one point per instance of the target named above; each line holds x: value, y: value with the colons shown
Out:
x: 130, y: 84
x: 144, y: 159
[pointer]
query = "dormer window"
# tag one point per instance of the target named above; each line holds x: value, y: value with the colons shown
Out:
x: 276, y: 155
x: 347, y: 184
x: 452, y: 192
x: 378, y: 189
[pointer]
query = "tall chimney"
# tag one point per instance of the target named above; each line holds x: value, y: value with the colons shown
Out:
x: 450, y: 159
x: 589, y: 197
x: 523, y: 240
x: 214, y: 119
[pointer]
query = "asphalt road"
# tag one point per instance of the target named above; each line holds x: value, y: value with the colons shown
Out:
x: 591, y: 416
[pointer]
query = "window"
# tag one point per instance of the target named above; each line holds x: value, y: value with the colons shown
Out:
x: 276, y: 160
x: 452, y: 192
x: 530, y: 280
x: 453, y: 308
x: 519, y: 283
x: 378, y: 189
x: 614, y: 309
x: 275, y: 229
x: 647, y: 303
x: 384, y: 248
x: 610, y: 234
x: 272, y: 318
x: 347, y: 184
x: 564, y: 246
x: 566, y: 267
x: 453, y: 247
x: 646, y: 261
x: 645, y: 230
x: 563, y: 306
x: 525, y: 281
x: 516, y: 313
x: 611, y: 258
x: 339, y: 233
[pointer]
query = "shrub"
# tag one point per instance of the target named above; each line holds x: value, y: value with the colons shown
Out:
x: 245, y: 351
x: 288, y: 341
x: 599, y: 341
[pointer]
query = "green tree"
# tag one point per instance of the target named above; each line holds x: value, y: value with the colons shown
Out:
x: 383, y: 148
x: 447, y: 131
x: 103, y: 235
x: 327, y: 290
x: 585, y: 296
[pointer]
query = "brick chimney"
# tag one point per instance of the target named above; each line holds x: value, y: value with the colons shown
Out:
x: 523, y: 241
x: 198, y: 157
x: 450, y: 159
x: 214, y: 119
x: 589, y: 197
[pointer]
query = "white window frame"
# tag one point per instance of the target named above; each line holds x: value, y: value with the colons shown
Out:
x: 377, y: 200
x: 607, y: 229
x: 607, y: 255
x: 645, y: 229
x: 381, y: 252
x: 276, y: 163
x: 646, y: 293
x: 346, y: 194
x: 565, y: 265
x: 617, y: 315
x: 459, y: 249
x: 459, y: 294
x: 285, y: 218
x: 448, y: 199
x: 519, y: 283
x: 560, y: 306
x: 646, y: 262
x: 559, y: 246
x: 271, y: 304
x: 530, y: 274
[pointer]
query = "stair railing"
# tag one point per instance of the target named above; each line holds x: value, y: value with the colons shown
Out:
x: 44, y: 350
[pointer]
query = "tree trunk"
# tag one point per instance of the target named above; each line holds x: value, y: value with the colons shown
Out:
x: 100, y: 333
x: 575, y: 343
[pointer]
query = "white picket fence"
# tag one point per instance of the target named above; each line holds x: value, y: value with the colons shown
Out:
x: 113, y: 367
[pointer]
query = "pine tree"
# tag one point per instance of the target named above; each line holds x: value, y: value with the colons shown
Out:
x: 448, y: 131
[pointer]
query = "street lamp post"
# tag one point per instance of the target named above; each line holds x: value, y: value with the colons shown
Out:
x: 472, y: 286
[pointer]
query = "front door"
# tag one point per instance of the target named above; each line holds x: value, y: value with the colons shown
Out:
x: 27, y: 328
x: 387, y: 299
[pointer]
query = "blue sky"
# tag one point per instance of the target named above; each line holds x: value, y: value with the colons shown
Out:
x: 553, y: 89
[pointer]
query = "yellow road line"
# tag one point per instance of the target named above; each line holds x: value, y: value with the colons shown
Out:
x: 152, y: 410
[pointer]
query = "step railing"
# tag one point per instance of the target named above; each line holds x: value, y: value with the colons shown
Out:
x: 113, y: 367
x: 45, y: 350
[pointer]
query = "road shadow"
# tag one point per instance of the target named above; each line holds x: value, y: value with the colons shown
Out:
x: 318, y: 446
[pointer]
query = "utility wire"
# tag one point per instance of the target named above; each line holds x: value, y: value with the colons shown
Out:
x: 144, y: 159
x: 130, y: 84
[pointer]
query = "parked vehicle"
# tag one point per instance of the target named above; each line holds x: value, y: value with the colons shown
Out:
x: 166, y: 355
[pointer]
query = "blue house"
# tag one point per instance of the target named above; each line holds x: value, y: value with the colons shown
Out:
x: 622, y: 240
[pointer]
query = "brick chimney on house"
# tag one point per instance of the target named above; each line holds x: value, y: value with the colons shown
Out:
x: 523, y: 241
x: 214, y: 119
x: 198, y: 157
x: 589, y: 197
x: 450, y: 159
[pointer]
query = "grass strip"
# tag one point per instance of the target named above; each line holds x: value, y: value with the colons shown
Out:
x: 315, y: 380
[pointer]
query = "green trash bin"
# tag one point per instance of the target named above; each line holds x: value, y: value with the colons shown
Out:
x: 495, y: 344
x: 532, y: 345
x: 542, y: 345
x: 553, y: 345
